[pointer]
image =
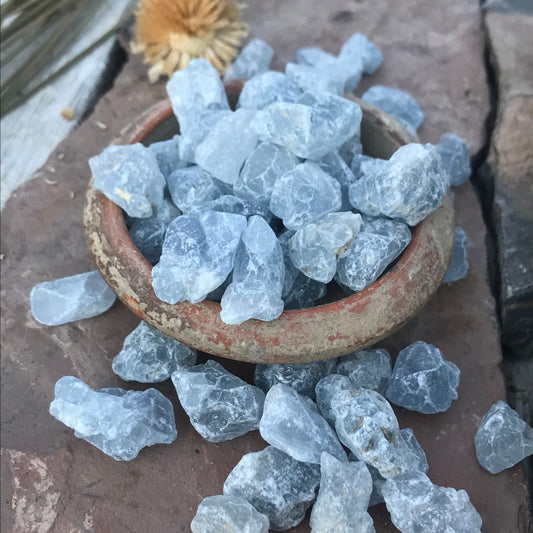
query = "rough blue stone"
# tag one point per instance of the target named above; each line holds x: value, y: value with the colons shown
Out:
x: 196, y: 88
x: 304, y: 195
x: 368, y: 369
x: 378, y: 243
x: 302, y: 377
x: 291, y: 272
x: 221, y: 406
x: 359, y: 49
x: 458, y: 268
x: 398, y: 104
x: 149, y: 356
x: 304, y: 292
x: 364, y: 166
x: 233, y: 204
x: 503, y: 439
x: 167, y: 154
x: 228, y: 144
x: 225, y: 514
x: 343, y: 497
x: 455, y: 156
x: 412, y: 186
x: 166, y: 212
x: 325, y: 391
x: 350, y: 149
x: 315, y: 80
x: 315, y: 248
x: 416, y: 505
x: 118, y: 422
x: 148, y: 235
x: 258, y: 274
x: 72, y: 298
x: 422, y: 380
x: 313, y: 56
x: 291, y: 422
x: 334, y: 165
x: 130, y: 177
x: 265, y: 89
x: 198, y: 255
x: 311, y: 130
x: 277, y: 485
x: 254, y: 59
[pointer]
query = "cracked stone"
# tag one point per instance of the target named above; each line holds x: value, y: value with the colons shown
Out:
x: 458, y: 268
x: 254, y: 59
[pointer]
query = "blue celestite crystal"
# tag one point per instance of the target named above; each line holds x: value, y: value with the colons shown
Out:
x: 302, y: 377
x: 265, y: 89
x: 416, y: 504
x: 315, y: 80
x: 233, y: 204
x: 227, y: 145
x: 167, y: 154
x: 412, y: 185
x: 455, y: 156
x: 291, y: 422
x: 72, y: 298
x: 343, y: 498
x: 458, y: 268
x: 398, y: 104
x: 334, y: 165
x: 368, y: 369
x: 304, y: 195
x: 148, y: 235
x: 255, y: 291
x: 194, y: 89
x: 365, y: 166
x: 118, y: 422
x: 359, y: 49
x: 224, y: 514
x: 325, y: 391
x: 304, y: 292
x: 310, y: 129
x: 315, y: 248
x: 378, y: 243
x: 221, y: 406
x: 254, y: 59
x: 260, y: 171
x: 198, y: 255
x: 291, y: 272
x: 422, y: 380
x: 149, y: 356
x: 166, y: 212
x: 503, y: 439
x: 277, y: 485
x: 130, y: 177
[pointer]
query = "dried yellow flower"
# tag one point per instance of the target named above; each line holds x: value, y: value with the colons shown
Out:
x: 172, y: 32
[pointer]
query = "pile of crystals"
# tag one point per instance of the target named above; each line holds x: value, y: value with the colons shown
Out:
x: 262, y: 207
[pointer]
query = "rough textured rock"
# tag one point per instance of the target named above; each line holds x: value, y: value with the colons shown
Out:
x: 265, y: 89
x: 276, y: 485
x: 455, y: 156
x: 253, y: 59
x: 458, y: 268
x: 291, y: 422
x: 148, y: 235
x: 367, y: 369
x: 325, y: 391
x: 223, y: 514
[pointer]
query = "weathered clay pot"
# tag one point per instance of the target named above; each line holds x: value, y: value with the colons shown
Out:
x: 321, y: 332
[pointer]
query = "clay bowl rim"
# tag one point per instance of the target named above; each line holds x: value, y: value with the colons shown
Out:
x: 297, y: 336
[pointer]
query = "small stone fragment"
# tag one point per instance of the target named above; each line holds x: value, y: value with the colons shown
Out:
x: 148, y: 235
x: 198, y: 255
x: 291, y: 422
x: 315, y: 248
x: 277, y: 485
x: 411, y: 186
x: 302, y: 377
x: 130, y: 177
x: 194, y: 89
x: 326, y: 389
x: 310, y: 130
x: 226, y: 147
x: 364, y: 166
x: 118, y: 422
x: 149, y: 356
x: 258, y: 274
x: 261, y: 170
x: 416, y: 505
x: 367, y: 369
x: 422, y: 380
x: 458, y: 268
x: 313, y: 56
x: 365, y: 423
x: 398, y: 104
x: 315, y: 80
x: 72, y: 298
x: 221, y: 406
x: 229, y: 203
x: 350, y: 149
x: 291, y: 272
x: 455, y: 156
x: 225, y: 514
x: 343, y: 497
x: 334, y: 165
x: 166, y: 212
x: 254, y: 59
x: 378, y: 243
x: 167, y: 154
x: 265, y: 89
x: 503, y: 439
x: 304, y: 195
x: 304, y: 292
x: 359, y: 49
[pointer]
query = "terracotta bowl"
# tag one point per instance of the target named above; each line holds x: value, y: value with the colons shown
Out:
x: 321, y: 332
